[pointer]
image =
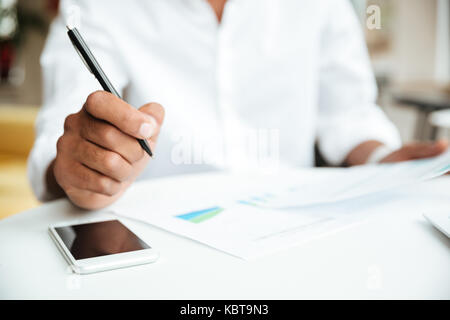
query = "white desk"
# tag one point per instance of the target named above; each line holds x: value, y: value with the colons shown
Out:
x: 395, y: 254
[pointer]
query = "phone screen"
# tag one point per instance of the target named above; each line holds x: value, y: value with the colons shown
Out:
x: 97, y: 239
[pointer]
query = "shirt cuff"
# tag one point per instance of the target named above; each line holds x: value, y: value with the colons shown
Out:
x: 342, y: 136
x: 42, y: 154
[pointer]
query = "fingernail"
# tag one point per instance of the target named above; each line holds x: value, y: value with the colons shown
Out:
x: 442, y: 143
x: 147, y: 129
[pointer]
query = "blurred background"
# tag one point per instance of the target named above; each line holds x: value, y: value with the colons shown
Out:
x: 409, y: 48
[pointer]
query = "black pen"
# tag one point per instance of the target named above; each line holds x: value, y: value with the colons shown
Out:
x: 94, y: 67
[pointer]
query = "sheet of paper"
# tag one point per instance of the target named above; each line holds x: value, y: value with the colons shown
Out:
x: 356, y: 182
x: 248, y: 218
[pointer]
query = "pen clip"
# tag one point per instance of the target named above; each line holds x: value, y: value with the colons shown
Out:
x: 81, y: 57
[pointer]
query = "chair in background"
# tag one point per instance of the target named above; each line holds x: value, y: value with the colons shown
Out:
x: 439, y: 120
x: 425, y: 98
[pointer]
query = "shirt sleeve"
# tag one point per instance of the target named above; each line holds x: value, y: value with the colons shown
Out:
x: 348, y: 114
x: 67, y: 82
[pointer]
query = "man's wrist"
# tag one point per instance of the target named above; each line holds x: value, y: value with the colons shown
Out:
x: 361, y: 153
x: 54, y: 190
x: 378, y: 154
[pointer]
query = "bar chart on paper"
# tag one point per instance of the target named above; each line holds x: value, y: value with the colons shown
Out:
x: 258, y: 230
x: 200, y: 215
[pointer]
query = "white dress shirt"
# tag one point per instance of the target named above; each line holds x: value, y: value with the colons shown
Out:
x: 256, y: 90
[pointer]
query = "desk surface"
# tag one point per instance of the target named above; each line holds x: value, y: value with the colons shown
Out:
x: 393, y: 254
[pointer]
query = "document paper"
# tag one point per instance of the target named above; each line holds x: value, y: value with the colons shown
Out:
x: 248, y: 218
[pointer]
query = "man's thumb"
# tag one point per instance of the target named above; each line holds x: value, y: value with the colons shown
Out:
x: 154, y: 110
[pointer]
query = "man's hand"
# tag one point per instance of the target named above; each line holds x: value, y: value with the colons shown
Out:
x: 412, y: 151
x: 98, y: 156
x: 417, y: 150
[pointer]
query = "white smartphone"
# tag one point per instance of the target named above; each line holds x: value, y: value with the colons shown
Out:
x: 98, y: 245
x: 440, y: 220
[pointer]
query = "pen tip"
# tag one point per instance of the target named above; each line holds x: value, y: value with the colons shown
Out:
x: 69, y: 27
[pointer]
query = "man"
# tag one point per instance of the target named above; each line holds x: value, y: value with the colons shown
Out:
x: 297, y: 71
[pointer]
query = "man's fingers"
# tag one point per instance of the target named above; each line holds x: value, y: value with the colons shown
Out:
x: 111, y: 138
x: 442, y: 145
x: 105, y: 106
x: 103, y: 161
x: 418, y: 150
x: 426, y: 150
x: 83, y: 178
x: 156, y: 111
